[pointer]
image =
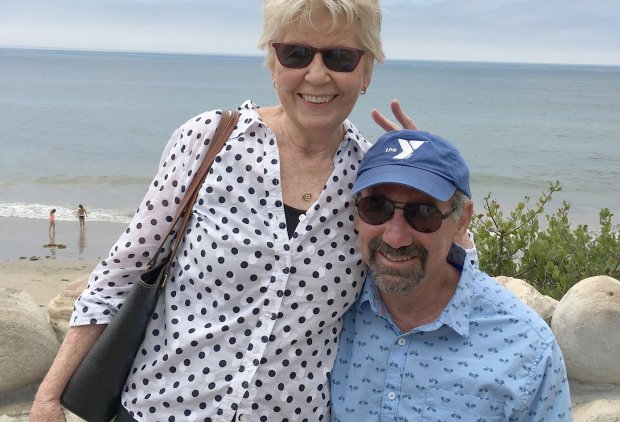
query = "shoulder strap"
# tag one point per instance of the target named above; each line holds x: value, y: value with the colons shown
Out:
x: 222, y: 133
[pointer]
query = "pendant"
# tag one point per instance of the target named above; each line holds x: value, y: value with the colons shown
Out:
x: 306, y: 196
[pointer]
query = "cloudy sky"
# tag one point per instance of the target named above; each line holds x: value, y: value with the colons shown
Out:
x: 538, y: 31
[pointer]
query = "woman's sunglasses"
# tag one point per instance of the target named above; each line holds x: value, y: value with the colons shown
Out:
x: 424, y: 218
x: 298, y: 56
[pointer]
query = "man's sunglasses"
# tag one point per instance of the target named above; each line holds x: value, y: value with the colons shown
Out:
x: 424, y: 218
x: 298, y: 56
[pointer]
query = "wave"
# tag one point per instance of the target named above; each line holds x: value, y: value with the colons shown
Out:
x: 93, y: 180
x: 42, y: 211
x: 68, y: 181
x: 501, y: 182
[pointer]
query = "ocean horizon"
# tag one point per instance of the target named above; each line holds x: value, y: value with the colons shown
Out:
x: 260, y: 57
x: 88, y: 127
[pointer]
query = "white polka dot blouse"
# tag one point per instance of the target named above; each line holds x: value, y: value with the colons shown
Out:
x: 248, y: 323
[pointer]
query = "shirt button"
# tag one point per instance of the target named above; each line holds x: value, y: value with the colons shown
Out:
x: 391, y: 395
x: 302, y: 217
x: 401, y: 341
x: 242, y: 418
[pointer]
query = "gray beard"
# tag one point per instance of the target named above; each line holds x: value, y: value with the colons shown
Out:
x: 390, y: 280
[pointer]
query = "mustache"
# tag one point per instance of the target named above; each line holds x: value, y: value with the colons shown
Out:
x: 377, y: 245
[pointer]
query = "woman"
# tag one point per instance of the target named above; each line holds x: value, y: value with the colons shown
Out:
x: 247, y: 326
x: 81, y: 214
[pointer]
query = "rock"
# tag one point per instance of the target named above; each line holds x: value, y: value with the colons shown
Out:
x: 585, y: 323
x: 15, y: 417
x: 55, y: 245
x: 582, y: 393
x: 14, y: 400
x: 28, y: 344
x: 60, y: 308
x: 598, y: 411
x: 543, y: 305
x: 20, y: 414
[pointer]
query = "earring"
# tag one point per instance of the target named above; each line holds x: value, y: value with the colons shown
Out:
x: 273, y: 81
x: 363, y: 91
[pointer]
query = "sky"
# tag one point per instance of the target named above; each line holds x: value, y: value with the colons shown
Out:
x: 530, y: 31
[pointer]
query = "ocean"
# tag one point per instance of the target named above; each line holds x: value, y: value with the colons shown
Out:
x: 89, y: 127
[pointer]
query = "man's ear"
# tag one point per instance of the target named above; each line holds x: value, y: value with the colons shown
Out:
x: 356, y: 222
x: 460, y: 235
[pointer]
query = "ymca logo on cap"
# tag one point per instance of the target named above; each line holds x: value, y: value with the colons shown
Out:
x: 407, y: 148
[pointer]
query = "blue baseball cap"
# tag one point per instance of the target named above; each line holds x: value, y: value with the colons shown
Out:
x: 417, y: 159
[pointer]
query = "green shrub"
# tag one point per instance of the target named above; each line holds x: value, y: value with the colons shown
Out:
x: 553, y: 258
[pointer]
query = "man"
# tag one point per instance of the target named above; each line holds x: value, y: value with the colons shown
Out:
x: 431, y: 337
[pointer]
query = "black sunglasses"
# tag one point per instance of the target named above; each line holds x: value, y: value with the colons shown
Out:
x: 425, y: 218
x: 298, y: 56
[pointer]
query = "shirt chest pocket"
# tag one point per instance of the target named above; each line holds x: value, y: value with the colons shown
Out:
x: 448, y: 406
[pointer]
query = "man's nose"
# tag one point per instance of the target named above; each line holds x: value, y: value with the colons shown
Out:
x: 398, y: 233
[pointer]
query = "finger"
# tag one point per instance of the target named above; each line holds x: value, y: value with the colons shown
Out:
x: 385, y: 123
x: 401, y: 116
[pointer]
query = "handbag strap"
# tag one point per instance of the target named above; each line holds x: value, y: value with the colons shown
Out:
x: 222, y: 133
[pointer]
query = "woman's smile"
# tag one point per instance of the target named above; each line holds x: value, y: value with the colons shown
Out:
x: 317, y: 99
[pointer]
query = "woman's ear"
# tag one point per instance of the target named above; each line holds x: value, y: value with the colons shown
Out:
x: 369, y: 65
x: 367, y: 80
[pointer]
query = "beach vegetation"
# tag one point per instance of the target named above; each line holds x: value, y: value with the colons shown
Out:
x: 544, y: 249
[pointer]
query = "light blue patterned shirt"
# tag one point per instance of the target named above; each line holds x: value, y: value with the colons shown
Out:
x: 488, y: 357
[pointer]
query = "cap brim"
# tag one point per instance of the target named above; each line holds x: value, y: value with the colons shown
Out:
x: 422, y: 180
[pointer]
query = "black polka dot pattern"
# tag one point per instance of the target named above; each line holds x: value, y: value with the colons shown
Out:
x: 249, y: 320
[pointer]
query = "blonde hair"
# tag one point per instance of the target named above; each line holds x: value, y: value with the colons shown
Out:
x: 279, y: 14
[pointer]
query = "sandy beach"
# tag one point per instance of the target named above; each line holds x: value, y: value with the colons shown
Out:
x: 43, y: 279
x: 25, y: 264
x: 25, y: 238
x: 42, y: 272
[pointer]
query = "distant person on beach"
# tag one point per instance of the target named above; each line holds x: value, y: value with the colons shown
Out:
x: 431, y: 337
x: 248, y: 324
x: 52, y: 227
x: 81, y: 214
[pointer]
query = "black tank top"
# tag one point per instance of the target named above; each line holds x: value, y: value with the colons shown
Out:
x: 292, y: 218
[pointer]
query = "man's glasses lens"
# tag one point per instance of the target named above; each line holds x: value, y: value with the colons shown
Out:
x: 298, y: 56
x: 376, y: 210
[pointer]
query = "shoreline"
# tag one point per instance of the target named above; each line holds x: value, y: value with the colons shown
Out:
x: 43, y: 272
x: 29, y: 238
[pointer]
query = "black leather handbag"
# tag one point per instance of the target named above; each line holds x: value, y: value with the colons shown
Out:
x: 93, y: 392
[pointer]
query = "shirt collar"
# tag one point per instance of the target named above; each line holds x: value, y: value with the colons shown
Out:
x: 455, y: 315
